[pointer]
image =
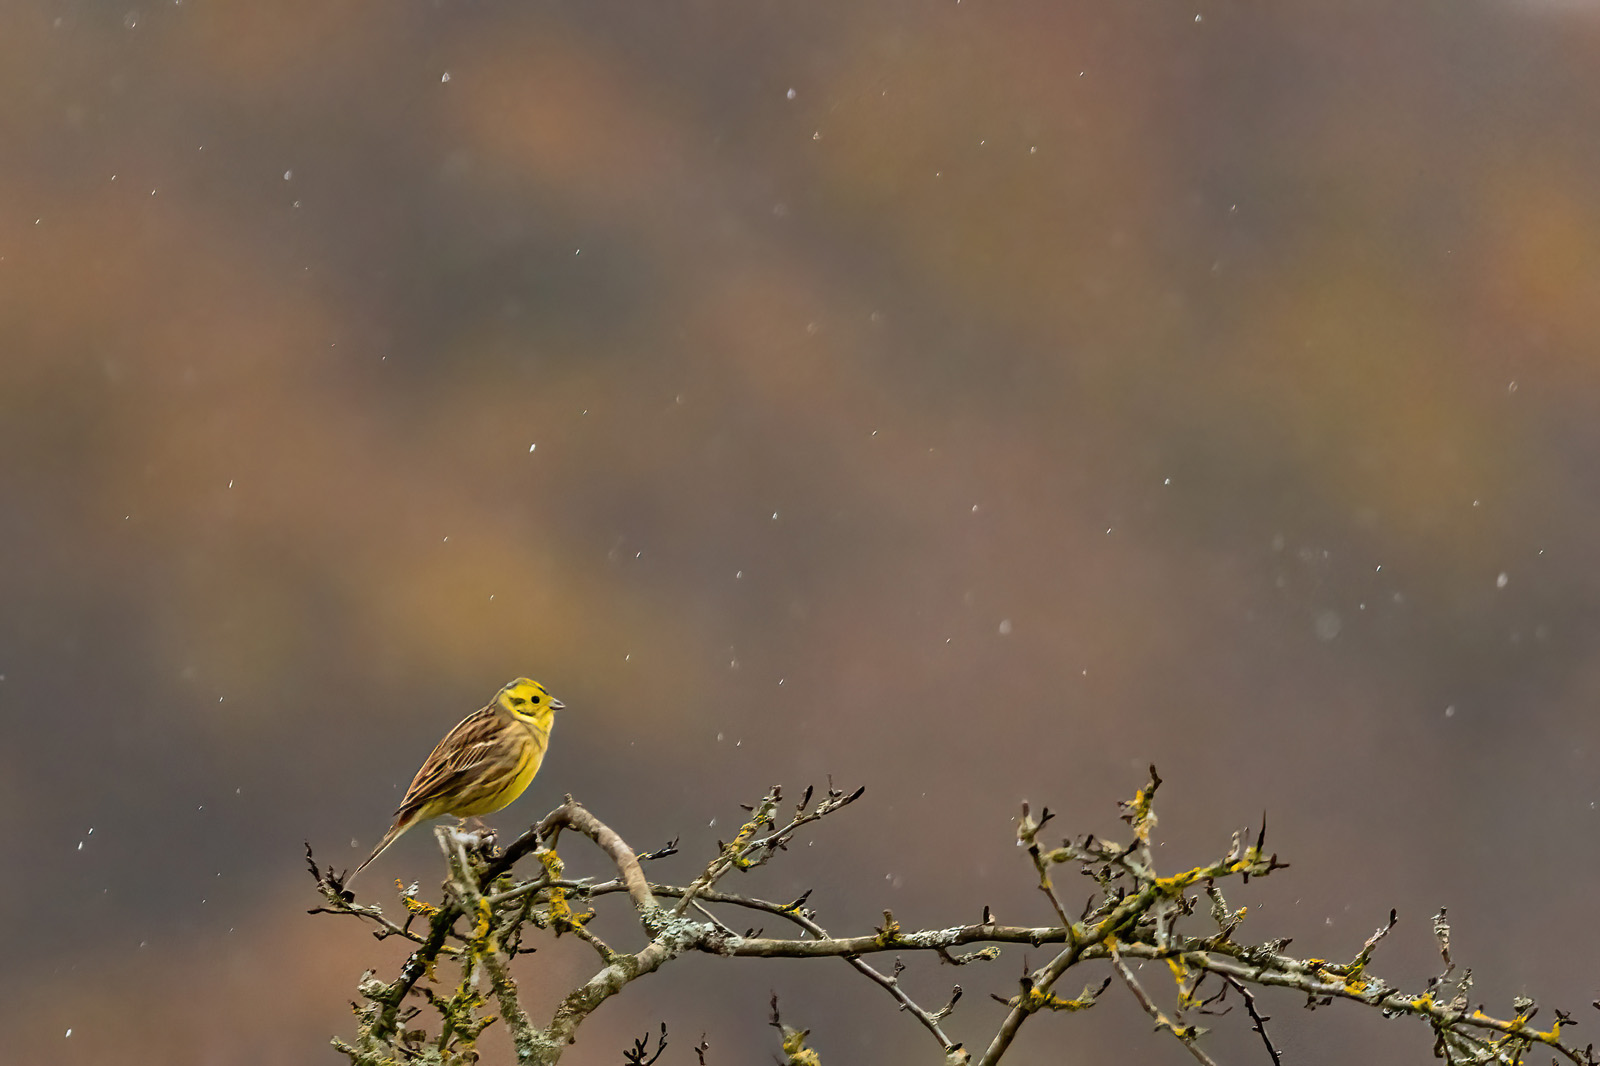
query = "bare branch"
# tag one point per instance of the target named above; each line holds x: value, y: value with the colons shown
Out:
x: 574, y: 815
x: 1257, y: 1022
x: 1185, y: 1034
x: 1136, y: 913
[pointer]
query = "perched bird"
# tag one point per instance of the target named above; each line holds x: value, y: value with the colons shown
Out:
x: 482, y: 764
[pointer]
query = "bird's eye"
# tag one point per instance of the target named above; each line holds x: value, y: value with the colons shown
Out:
x: 536, y: 700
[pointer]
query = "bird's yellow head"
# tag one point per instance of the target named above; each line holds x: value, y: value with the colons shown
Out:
x: 527, y: 701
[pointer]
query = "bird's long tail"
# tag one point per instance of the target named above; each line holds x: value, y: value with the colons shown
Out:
x: 399, y: 827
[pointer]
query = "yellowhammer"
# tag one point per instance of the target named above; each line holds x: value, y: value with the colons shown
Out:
x: 482, y: 764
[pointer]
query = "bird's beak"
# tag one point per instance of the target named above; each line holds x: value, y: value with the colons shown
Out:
x: 556, y: 705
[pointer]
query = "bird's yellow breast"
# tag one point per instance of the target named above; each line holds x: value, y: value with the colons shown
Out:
x: 513, y: 785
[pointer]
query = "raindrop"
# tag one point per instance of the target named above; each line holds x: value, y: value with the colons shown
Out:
x: 790, y: 94
x: 1500, y: 582
x: 531, y: 447
x: 1450, y: 711
x: 1005, y: 627
x: 288, y: 174
x: 444, y: 77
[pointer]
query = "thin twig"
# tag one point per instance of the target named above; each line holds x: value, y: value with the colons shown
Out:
x: 1184, y: 1033
x: 1257, y: 1022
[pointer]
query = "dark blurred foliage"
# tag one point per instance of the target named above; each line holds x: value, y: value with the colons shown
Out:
x: 976, y: 401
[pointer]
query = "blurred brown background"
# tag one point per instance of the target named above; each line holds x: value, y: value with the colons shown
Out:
x: 972, y: 400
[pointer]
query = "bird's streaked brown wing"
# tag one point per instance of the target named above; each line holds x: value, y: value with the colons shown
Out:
x: 474, y: 758
x: 467, y: 753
